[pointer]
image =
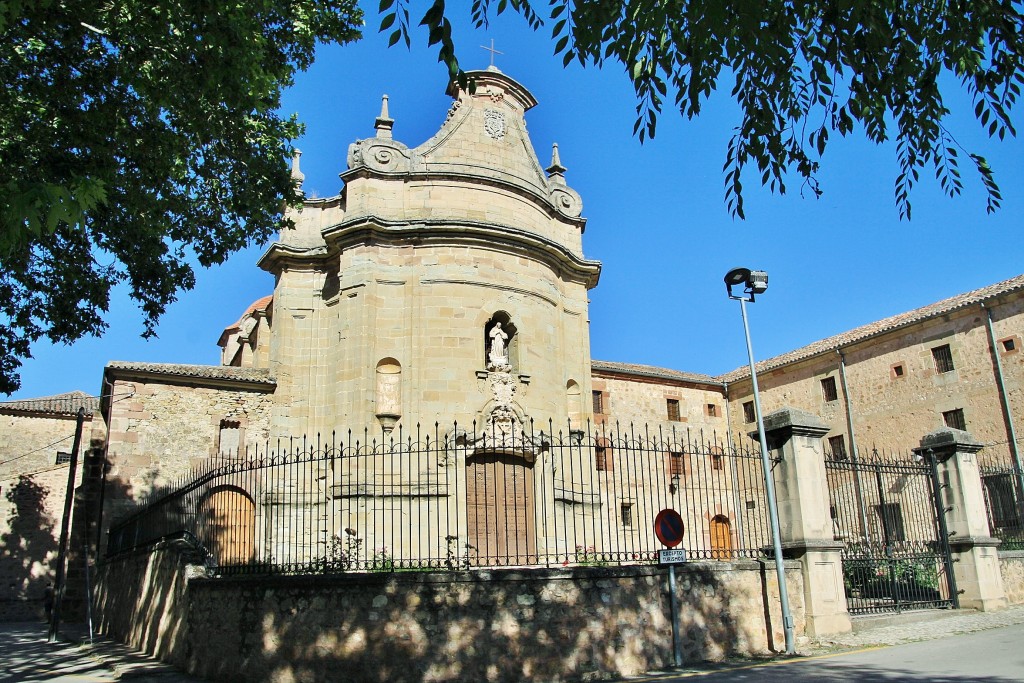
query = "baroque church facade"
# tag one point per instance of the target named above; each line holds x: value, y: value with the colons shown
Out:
x: 447, y: 284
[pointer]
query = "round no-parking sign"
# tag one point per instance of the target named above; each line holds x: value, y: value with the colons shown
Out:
x: 668, y: 527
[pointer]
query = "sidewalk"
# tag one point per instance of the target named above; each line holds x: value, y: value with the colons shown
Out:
x: 25, y: 656
x: 896, y: 629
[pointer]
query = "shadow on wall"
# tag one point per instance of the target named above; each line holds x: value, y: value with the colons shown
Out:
x: 504, y: 625
x: 27, y: 551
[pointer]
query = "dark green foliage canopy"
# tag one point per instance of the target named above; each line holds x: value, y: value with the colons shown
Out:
x: 135, y: 138
x: 800, y: 71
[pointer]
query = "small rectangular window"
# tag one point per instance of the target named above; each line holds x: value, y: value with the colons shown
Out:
x: 63, y: 458
x: 673, y: 409
x: 598, y: 403
x: 955, y: 419
x: 943, y: 358
x: 627, y: 514
x: 717, y: 461
x: 601, y: 460
x: 712, y: 410
x: 898, y: 371
x: 748, y: 412
x: 1009, y: 344
x: 837, y: 445
x: 675, y: 464
x: 828, y: 389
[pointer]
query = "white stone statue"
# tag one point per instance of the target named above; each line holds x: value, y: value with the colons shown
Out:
x: 498, y: 337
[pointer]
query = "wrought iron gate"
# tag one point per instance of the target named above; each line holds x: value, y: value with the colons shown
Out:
x: 888, y: 514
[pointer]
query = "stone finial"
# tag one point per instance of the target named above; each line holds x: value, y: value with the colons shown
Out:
x: 556, y: 171
x: 384, y: 123
x: 297, y: 175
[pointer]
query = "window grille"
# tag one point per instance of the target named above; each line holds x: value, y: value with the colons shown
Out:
x: 675, y: 464
x: 748, y: 412
x: 943, y: 358
x: 837, y: 445
x: 673, y: 409
x: 891, y: 517
x: 63, y: 458
x: 598, y: 403
x: 627, y: 514
x: 955, y: 419
x: 828, y: 389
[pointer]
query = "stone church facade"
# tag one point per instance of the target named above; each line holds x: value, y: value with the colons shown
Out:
x: 447, y: 284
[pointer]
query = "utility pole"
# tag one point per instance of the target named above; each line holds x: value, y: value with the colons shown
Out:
x: 65, y: 531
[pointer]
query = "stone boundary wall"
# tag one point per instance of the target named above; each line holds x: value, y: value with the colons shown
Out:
x: 1011, y: 565
x: 490, y: 625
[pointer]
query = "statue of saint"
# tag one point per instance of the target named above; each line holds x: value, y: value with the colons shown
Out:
x: 498, y: 337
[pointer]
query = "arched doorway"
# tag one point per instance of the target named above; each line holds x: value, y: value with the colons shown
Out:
x: 721, y: 538
x: 228, y: 525
x: 499, y: 509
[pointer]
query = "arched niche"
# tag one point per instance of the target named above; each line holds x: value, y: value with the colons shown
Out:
x: 511, y: 343
x: 574, y: 403
x: 388, y: 394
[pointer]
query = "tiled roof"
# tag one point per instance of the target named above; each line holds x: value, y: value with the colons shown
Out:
x: 651, y: 371
x: 895, y: 322
x: 215, y: 372
x: 58, y: 404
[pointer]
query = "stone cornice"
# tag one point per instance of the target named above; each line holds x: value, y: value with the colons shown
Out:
x: 280, y: 254
x: 448, y: 231
x: 964, y: 543
x: 524, y: 189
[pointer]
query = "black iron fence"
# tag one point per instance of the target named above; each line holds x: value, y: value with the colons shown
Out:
x: 895, y: 546
x: 1004, y: 503
x: 461, y: 498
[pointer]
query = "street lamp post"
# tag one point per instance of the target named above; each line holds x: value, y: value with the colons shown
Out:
x: 756, y: 282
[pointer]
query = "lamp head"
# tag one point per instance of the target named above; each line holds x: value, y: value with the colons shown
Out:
x: 753, y: 281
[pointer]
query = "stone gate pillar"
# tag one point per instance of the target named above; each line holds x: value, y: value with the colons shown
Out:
x: 975, y: 560
x: 805, y: 524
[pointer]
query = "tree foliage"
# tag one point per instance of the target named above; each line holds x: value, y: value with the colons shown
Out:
x: 137, y: 138
x: 800, y: 71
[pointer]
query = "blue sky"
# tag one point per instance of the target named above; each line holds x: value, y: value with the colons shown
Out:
x: 657, y: 217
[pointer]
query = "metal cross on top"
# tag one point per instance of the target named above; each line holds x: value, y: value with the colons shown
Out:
x: 492, y: 51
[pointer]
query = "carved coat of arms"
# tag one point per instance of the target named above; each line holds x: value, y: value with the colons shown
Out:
x: 494, y: 123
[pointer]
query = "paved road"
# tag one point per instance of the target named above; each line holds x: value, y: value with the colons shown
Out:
x: 992, y: 656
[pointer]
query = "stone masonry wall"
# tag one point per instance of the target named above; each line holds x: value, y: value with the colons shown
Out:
x: 1011, y: 565
x: 644, y: 402
x: 511, y: 625
x: 159, y: 431
x: 892, y: 411
x: 31, y: 507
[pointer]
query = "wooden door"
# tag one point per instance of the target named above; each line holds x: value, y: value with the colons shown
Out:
x: 499, y: 508
x: 721, y: 538
x: 229, y: 520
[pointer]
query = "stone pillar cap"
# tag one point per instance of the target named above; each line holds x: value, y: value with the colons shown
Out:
x: 949, y: 438
x: 800, y: 421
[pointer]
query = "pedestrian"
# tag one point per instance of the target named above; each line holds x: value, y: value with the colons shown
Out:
x: 48, y: 601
